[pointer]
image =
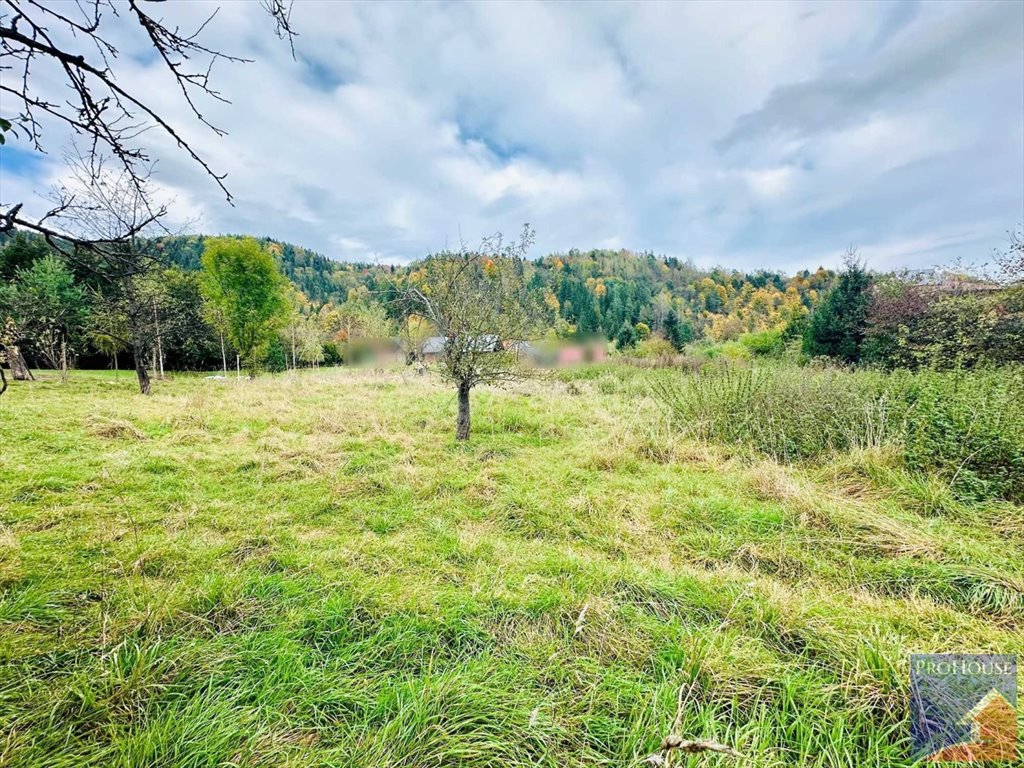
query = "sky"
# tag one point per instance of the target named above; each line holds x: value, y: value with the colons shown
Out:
x: 760, y: 135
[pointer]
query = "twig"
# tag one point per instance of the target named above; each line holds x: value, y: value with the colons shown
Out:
x: 674, y: 743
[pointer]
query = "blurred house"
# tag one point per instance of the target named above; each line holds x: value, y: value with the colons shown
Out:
x: 578, y: 354
x: 434, y: 346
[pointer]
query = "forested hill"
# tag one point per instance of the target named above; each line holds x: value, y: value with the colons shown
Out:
x: 622, y: 296
x: 595, y: 291
x: 321, y: 279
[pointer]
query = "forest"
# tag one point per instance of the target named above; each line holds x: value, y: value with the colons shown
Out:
x: 57, y: 313
x: 620, y: 296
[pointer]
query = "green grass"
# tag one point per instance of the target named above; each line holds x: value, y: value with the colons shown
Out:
x: 965, y: 428
x: 309, y: 571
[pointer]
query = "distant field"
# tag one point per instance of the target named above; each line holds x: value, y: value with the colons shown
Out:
x: 309, y: 571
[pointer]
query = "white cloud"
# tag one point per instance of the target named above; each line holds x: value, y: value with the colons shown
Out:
x: 402, y: 126
x: 771, y: 184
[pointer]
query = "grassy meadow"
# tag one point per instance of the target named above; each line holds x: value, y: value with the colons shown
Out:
x: 309, y: 571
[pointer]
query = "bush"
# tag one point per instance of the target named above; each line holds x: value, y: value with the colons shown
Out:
x: 728, y: 350
x: 276, y: 359
x: 765, y: 343
x: 964, y: 427
x: 733, y: 350
x: 969, y: 427
x: 332, y: 353
x: 653, y: 348
x: 914, y: 326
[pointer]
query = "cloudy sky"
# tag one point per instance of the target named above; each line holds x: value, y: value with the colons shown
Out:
x: 748, y: 135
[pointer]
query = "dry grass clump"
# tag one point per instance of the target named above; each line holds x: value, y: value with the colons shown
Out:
x: 114, y: 429
x: 751, y: 557
x: 772, y: 482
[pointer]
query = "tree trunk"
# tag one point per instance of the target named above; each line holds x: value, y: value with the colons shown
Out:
x: 63, y: 361
x: 139, y: 355
x: 138, y: 345
x: 462, y: 424
x: 19, y: 369
x: 159, y: 353
x: 223, y: 354
x: 136, y: 331
x: 3, y: 380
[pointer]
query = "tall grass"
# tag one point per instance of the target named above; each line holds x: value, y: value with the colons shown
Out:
x: 965, y: 427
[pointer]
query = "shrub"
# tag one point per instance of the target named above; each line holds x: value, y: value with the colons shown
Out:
x: 764, y: 344
x: 733, y: 350
x: 653, y: 348
x: 276, y: 359
x: 911, y: 326
x: 332, y: 353
x: 969, y: 427
x: 728, y: 350
x: 966, y: 428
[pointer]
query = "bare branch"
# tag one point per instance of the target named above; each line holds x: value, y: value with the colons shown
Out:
x: 110, y: 116
x: 281, y: 12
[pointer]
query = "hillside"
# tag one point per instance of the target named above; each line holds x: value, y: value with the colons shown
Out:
x: 594, y: 291
x: 320, y: 278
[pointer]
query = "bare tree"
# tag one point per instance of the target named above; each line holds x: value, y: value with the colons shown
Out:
x: 1010, y: 262
x: 73, y: 41
x: 114, y: 215
x: 478, y: 302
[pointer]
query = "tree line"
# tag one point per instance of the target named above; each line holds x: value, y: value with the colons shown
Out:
x: 58, y: 311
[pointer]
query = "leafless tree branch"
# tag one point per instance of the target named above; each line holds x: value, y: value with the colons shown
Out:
x: 108, y: 115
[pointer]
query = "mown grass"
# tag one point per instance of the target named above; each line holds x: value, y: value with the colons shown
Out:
x: 309, y: 571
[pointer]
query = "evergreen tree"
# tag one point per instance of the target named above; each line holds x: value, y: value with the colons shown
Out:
x: 626, y: 337
x: 838, y: 325
x: 20, y: 252
x: 678, y: 332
